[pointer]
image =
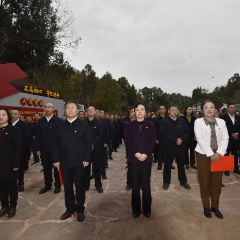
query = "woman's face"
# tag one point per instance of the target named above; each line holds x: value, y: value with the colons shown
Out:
x: 140, y: 111
x: 3, y: 117
x: 189, y: 111
x: 209, y: 109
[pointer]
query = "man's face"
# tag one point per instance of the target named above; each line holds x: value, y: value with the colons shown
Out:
x: 112, y: 117
x: 15, y: 115
x: 231, y: 109
x: 173, y: 112
x: 29, y: 119
x: 237, y: 113
x: 162, y: 110
x: 102, y: 114
x: 91, y: 112
x: 107, y: 116
x: 157, y: 113
x: 97, y: 114
x: 197, y: 114
x: 36, y: 117
x: 48, y: 108
x: 71, y: 110
x: 115, y: 116
x: 220, y: 111
x: 64, y: 118
x: 43, y: 114
x: 22, y: 118
x: 81, y: 115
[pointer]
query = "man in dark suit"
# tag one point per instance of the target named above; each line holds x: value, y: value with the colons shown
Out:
x: 15, y: 114
x: 33, y: 139
x: 175, y: 134
x: 71, y: 151
x: 96, y: 130
x: 111, y: 127
x: 45, y: 137
x: 233, y: 125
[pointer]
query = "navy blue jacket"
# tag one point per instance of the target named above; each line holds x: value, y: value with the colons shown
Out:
x: 156, y: 122
x: 24, y: 131
x: 96, y: 130
x: 45, y: 133
x: 72, y: 143
x: 105, y: 137
x: 171, y: 130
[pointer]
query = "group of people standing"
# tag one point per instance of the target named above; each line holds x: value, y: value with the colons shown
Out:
x: 80, y: 144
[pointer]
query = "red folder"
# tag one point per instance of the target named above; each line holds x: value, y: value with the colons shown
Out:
x: 223, y: 164
x: 60, y: 175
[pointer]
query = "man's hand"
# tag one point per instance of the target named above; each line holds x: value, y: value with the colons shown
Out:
x: 34, y: 137
x: 138, y: 155
x: 57, y: 165
x: 15, y: 169
x: 235, y: 136
x: 38, y: 153
x: 92, y: 147
x: 143, y: 157
x: 85, y: 164
x: 157, y: 142
x: 179, y: 141
x: 215, y: 157
x: 105, y: 145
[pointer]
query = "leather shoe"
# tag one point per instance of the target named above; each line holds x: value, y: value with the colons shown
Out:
x: 104, y: 176
x: 154, y: 161
x: 20, y: 188
x: 194, y: 166
x: 80, y: 217
x: 57, y: 190
x: 86, y: 189
x: 99, y: 189
x: 187, y: 166
x: 217, y: 212
x: 111, y: 158
x: 159, y: 167
x: 172, y: 167
x: 66, y: 215
x: 136, y: 215
x: 12, y: 212
x: 128, y: 187
x: 223, y: 185
x: 45, y: 189
x: 126, y: 167
x: 4, y: 211
x: 165, y: 186
x: 91, y: 177
x: 226, y: 173
x: 185, y: 185
x: 236, y: 171
x: 207, y: 213
x: 147, y: 215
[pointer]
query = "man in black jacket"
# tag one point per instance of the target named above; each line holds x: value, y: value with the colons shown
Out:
x: 34, y: 137
x: 96, y: 130
x: 111, y: 127
x: 15, y: 114
x: 28, y: 144
x: 175, y: 134
x: 233, y: 125
x: 45, y: 137
x: 71, y: 151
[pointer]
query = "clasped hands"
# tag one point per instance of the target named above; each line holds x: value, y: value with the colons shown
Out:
x: 215, y: 157
x: 57, y: 165
x: 141, y: 157
x: 179, y: 141
x: 235, y: 136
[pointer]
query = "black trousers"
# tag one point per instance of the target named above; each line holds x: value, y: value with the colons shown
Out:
x: 33, y: 144
x: 47, y: 162
x: 96, y: 162
x: 168, y: 159
x: 110, y: 147
x: 160, y: 153
x: 103, y: 163
x: 155, y: 152
x: 26, y: 157
x: 115, y: 142
x: 233, y: 151
x: 129, y: 178
x: 143, y: 172
x: 9, y: 189
x: 74, y: 175
x: 190, y: 144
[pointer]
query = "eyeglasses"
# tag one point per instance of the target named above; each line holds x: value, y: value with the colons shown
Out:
x: 73, y: 108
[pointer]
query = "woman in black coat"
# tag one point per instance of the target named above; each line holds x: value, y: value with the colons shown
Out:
x: 191, y: 142
x: 10, y: 161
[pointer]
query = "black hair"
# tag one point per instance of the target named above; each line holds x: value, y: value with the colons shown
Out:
x: 22, y: 115
x: 172, y: 106
x: 8, y: 114
x: 80, y: 111
x: 185, y: 112
x: 230, y: 104
x: 97, y: 109
x: 139, y: 103
x: 37, y: 113
x: 208, y: 101
x: 237, y: 111
x: 15, y: 109
x: 71, y: 101
x: 64, y: 115
x: 106, y: 113
x: 29, y: 116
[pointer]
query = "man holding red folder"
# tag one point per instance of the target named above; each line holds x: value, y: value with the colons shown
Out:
x: 71, y: 151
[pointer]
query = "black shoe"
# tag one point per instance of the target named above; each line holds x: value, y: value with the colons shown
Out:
x: 185, y: 185
x: 42, y: 170
x: 116, y: 150
x: 172, y: 167
x: 187, y: 166
x: 91, y: 177
x: 128, y: 187
x: 154, y: 161
x: 226, y: 173
x: 193, y: 166
x: 86, y: 189
x: 223, y: 185
x: 136, y: 215
x: 4, y: 211
x: 126, y: 167
x: 35, y: 163
x: 12, y: 212
x: 104, y: 176
x: 99, y: 189
x: 165, y: 186
x: 236, y: 171
x: 147, y: 215
x: 80, y: 217
x: 66, y: 215
x: 159, y: 168
x: 45, y: 189
x: 207, y: 213
x: 217, y: 212
x: 20, y: 188
x: 57, y: 190
x: 111, y: 158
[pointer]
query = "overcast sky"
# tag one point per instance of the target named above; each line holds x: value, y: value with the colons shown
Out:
x: 176, y: 45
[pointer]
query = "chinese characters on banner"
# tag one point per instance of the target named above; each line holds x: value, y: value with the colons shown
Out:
x: 30, y: 89
x: 31, y: 102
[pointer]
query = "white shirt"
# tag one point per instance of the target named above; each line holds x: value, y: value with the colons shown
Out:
x: 48, y: 119
x: 173, y: 119
x: 232, y: 118
x: 72, y: 120
x: 14, y: 123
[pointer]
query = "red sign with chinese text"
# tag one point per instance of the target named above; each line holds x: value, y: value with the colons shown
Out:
x: 23, y: 101
x: 35, y: 102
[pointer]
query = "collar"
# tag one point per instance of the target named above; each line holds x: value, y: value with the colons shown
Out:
x: 92, y: 120
x: 48, y: 119
x: 14, y: 123
x: 207, y: 122
x: 173, y: 119
x: 72, y: 120
x: 231, y: 116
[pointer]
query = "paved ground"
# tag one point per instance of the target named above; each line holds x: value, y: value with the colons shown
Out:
x: 176, y: 214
